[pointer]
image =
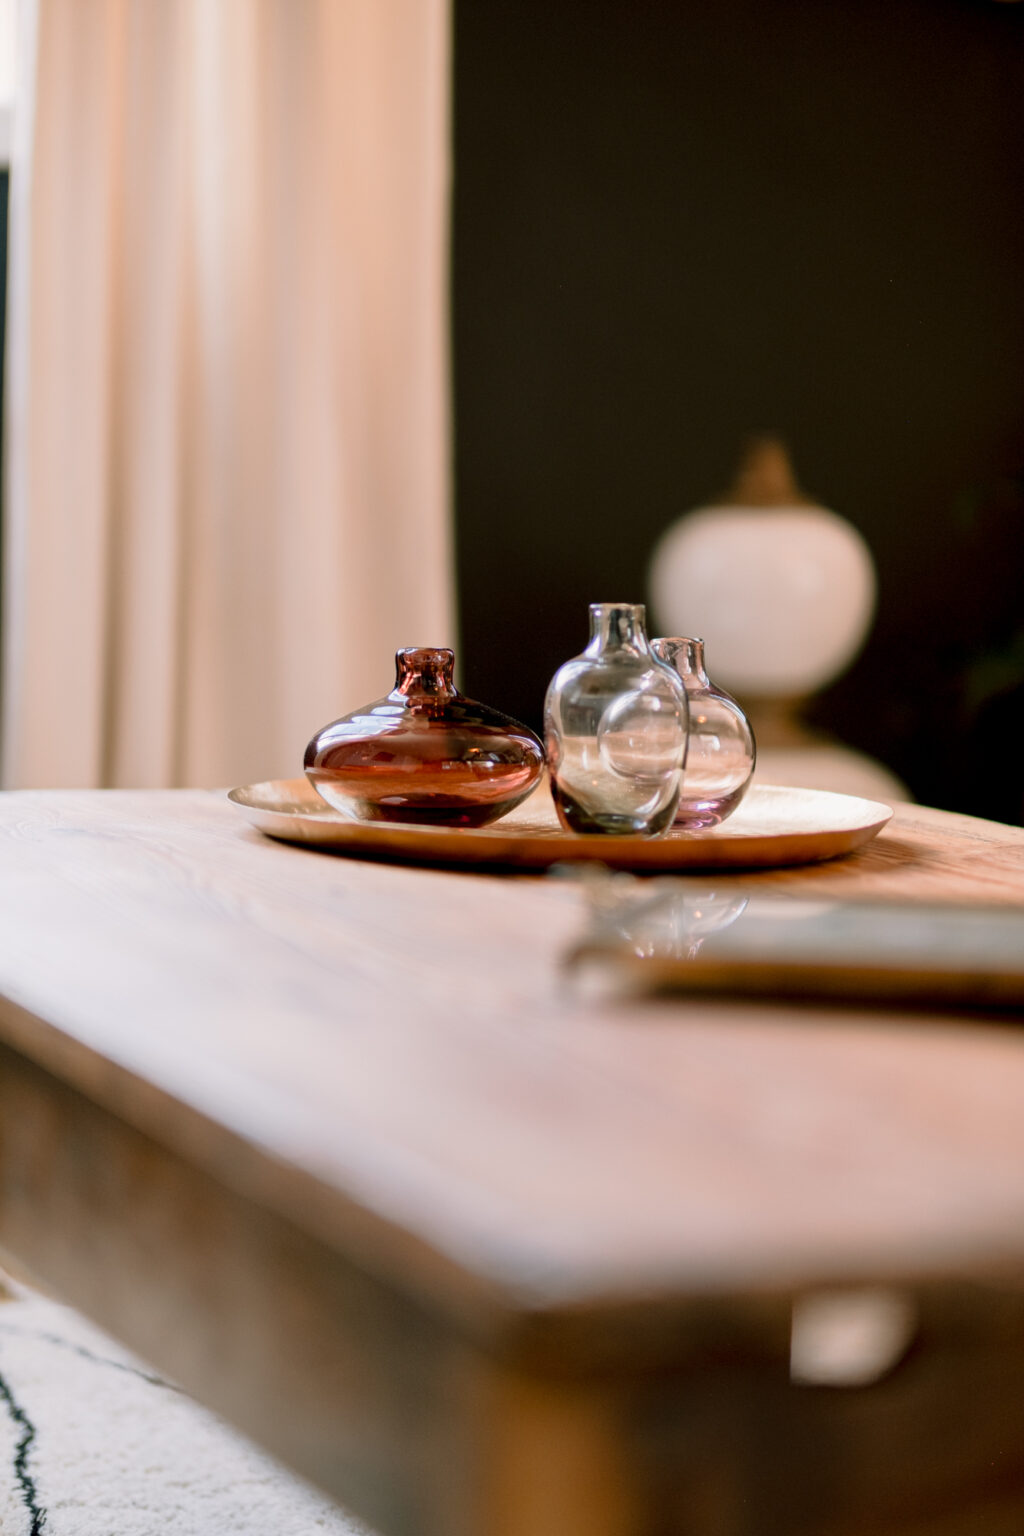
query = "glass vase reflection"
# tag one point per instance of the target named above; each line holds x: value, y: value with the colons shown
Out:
x: 672, y: 923
x: 722, y: 752
x: 425, y: 754
x: 615, y: 729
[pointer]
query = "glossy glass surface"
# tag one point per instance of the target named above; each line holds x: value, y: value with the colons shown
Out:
x: 722, y: 753
x: 615, y: 726
x: 425, y: 753
x: 651, y: 921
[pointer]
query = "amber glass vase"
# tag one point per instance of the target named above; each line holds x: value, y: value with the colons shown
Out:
x: 425, y: 753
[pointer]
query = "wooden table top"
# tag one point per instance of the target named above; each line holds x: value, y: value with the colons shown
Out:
x: 391, y: 1057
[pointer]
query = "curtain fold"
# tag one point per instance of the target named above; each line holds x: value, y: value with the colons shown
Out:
x: 227, y: 500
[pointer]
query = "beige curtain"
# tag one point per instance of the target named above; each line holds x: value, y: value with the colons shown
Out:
x: 227, y: 428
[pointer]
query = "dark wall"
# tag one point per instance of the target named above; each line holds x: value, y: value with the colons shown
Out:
x: 678, y: 222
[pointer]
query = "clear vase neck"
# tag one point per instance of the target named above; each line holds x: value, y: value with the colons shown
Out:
x: 617, y: 627
x: 684, y: 654
x: 425, y: 670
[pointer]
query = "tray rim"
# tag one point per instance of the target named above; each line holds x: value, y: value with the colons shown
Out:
x: 505, y: 844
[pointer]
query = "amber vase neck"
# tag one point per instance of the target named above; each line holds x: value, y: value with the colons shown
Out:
x: 618, y: 626
x: 425, y: 673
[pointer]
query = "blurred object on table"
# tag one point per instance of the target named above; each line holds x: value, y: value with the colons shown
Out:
x: 785, y: 589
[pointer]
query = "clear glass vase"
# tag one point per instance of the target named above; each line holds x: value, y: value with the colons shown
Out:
x: 615, y: 728
x: 722, y: 752
x: 425, y: 753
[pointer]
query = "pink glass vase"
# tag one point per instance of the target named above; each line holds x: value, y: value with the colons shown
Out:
x: 425, y: 753
x: 722, y: 752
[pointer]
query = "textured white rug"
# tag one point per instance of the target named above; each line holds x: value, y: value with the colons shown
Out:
x: 92, y: 1443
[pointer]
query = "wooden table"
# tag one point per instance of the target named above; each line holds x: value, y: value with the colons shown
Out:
x: 334, y: 1143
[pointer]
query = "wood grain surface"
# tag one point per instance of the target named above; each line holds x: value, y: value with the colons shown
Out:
x: 228, y: 1064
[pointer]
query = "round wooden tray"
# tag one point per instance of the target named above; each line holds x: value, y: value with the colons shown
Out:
x: 774, y: 826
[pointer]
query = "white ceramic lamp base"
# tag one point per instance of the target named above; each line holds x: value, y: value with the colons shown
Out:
x: 783, y: 592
